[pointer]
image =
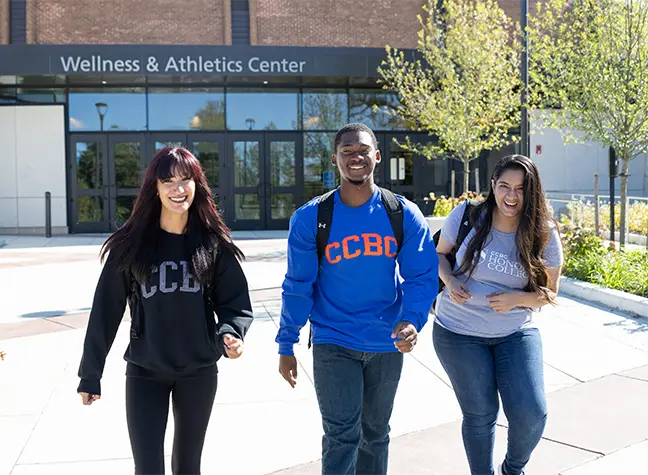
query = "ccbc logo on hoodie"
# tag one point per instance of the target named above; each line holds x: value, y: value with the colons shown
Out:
x: 367, y: 244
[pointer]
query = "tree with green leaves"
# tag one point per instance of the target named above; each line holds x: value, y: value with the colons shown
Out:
x: 589, y: 72
x: 465, y: 88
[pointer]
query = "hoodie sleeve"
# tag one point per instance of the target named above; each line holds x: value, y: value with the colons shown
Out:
x: 107, y: 312
x: 231, y: 298
x: 419, y: 267
x: 299, y: 283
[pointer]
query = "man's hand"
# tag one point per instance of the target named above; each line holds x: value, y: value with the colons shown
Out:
x: 503, y: 301
x: 88, y: 399
x: 288, y: 369
x: 406, y: 335
x: 233, y: 346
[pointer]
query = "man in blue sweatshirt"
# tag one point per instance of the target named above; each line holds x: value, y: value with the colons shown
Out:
x: 363, y: 318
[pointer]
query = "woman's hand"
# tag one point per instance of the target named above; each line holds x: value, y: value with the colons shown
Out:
x: 503, y: 301
x: 88, y: 399
x: 233, y: 346
x: 458, y: 291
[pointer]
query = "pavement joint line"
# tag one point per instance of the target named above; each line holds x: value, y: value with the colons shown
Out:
x: 61, y: 462
x: 31, y: 432
x: 567, y: 444
x: 564, y: 372
x: 630, y: 377
x: 50, y: 319
x: 431, y: 371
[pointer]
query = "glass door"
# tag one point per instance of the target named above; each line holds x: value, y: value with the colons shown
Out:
x: 284, y: 177
x: 156, y: 142
x: 247, y: 202
x: 209, y: 149
x: 126, y: 161
x: 90, y: 200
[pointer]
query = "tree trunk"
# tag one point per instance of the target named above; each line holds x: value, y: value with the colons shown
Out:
x: 466, y: 177
x: 624, y: 198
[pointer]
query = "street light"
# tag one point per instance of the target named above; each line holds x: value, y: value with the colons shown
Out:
x: 102, y: 109
x: 250, y: 123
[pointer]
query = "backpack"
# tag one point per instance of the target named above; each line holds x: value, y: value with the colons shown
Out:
x: 394, y: 209
x: 464, y: 229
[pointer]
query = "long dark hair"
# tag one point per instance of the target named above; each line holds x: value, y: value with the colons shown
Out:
x: 135, y: 245
x: 533, y: 231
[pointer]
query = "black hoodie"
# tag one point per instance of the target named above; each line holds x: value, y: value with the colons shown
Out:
x: 173, y: 331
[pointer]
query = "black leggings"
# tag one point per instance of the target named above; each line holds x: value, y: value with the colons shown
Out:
x: 147, y: 411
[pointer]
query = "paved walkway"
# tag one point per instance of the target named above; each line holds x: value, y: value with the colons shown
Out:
x: 596, y: 365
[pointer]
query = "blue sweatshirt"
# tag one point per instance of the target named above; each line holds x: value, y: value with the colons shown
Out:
x: 356, y: 297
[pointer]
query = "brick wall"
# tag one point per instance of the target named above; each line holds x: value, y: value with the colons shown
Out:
x: 4, y: 22
x: 126, y: 21
x: 367, y: 23
x: 512, y: 8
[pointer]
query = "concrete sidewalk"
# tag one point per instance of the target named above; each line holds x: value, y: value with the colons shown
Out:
x: 596, y: 370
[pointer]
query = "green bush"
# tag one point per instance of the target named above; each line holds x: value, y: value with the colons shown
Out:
x: 587, y: 259
x: 445, y: 205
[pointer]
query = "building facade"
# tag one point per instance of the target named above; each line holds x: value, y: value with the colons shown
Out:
x: 91, y: 89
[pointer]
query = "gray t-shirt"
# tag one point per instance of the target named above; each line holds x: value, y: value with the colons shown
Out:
x: 498, y: 269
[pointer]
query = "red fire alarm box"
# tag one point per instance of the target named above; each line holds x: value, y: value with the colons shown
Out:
x: 538, y: 149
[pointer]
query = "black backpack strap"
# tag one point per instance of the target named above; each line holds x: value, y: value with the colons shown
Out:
x: 324, y: 220
x: 465, y: 226
x: 395, y: 213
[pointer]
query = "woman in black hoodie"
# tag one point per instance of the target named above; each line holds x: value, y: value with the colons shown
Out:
x: 175, y: 264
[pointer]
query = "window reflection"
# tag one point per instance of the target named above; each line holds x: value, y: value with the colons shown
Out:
x: 361, y: 109
x: 127, y: 164
x: 249, y: 109
x: 282, y: 160
x: 207, y: 154
x: 246, y: 164
x: 186, y: 109
x: 325, y: 109
x: 318, y: 150
x: 89, y: 165
x: 107, y: 109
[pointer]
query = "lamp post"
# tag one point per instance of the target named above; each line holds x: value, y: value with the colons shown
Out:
x: 102, y: 108
x: 525, y: 146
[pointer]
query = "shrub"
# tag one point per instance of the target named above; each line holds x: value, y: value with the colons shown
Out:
x: 586, y: 258
x: 445, y: 205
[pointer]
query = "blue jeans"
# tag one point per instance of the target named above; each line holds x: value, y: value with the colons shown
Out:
x: 355, y: 392
x: 480, y: 367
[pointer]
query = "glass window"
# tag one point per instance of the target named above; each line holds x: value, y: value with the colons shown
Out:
x: 250, y: 109
x: 282, y: 163
x: 8, y: 95
x: 361, y: 109
x: 318, y: 169
x: 208, y: 155
x: 246, y: 164
x: 89, y: 162
x: 325, y: 109
x: 127, y: 164
x: 41, y: 96
x: 107, y: 109
x: 186, y: 109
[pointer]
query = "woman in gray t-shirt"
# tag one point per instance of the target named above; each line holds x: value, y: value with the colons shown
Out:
x: 484, y: 333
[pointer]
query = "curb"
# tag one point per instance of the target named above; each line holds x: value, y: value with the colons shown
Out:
x: 614, y: 299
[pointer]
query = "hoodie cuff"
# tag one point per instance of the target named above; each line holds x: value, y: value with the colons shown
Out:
x: 286, y: 349
x: 90, y: 386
